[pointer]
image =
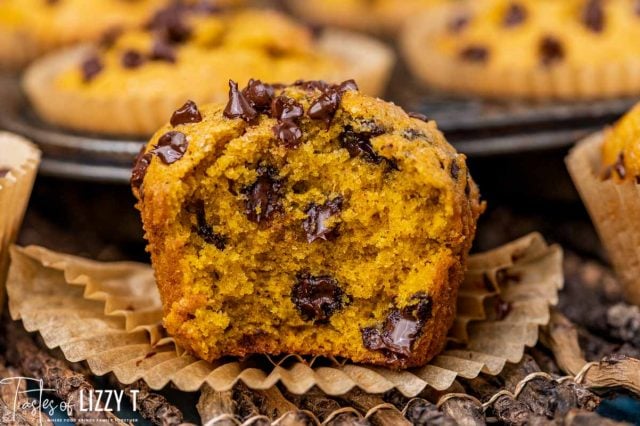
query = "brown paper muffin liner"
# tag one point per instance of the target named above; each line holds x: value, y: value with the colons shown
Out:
x: 561, y: 81
x: 18, y: 166
x: 109, y: 315
x: 368, y: 61
x: 615, y: 211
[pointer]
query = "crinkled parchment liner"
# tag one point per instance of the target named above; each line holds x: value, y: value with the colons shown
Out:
x: 110, y: 316
x: 21, y: 158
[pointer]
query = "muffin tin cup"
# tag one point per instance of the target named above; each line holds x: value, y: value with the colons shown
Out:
x: 18, y: 167
x: 561, y: 81
x: 366, y: 60
x: 110, y: 315
x: 614, y: 210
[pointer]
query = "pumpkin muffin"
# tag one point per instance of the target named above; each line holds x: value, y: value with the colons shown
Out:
x: 572, y: 49
x: 375, y: 16
x: 132, y: 84
x: 30, y: 27
x: 606, y: 170
x: 308, y: 219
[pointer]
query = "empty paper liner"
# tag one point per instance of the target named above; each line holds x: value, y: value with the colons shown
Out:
x: 109, y: 315
x: 18, y: 166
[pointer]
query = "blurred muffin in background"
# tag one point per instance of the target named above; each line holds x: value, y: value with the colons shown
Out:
x: 375, y: 16
x: 606, y: 170
x: 131, y: 84
x: 30, y: 27
x: 571, y: 49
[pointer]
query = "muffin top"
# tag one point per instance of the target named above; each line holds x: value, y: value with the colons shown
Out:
x: 508, y: 34
x: 621, y: 149
x: 184, y: 45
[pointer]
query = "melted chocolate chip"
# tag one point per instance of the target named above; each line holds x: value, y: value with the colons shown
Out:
x: 593, y: 15
x: 263, y: 197
x: 238, y: 105
x: 259, y: 95
x: 132, y: 59
x: 187, y: 113
x: 140, y: 168
x: 619, y: 167
x: 359, y: 144
x: 171, y: 147
x: 458, y: 24
x: 162, y: 51
x: 285, y: 108
x: 475, y: 54
x: 317, y: 298
x: 288, y: 133
x: 91, y: 68
x: 401, y: 328
x: 419, y: 116
x: 551, y: 51
x: 516, y: 14
x: 454, y: 170
x: 315, y: 225
x: 204, y: 230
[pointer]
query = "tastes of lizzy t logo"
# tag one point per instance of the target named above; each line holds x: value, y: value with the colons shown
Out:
x: 34, y: 404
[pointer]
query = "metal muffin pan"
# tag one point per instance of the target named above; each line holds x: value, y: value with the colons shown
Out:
x: 475, y: 127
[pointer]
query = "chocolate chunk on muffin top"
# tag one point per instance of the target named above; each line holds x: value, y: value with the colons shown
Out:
x: 347, y: 237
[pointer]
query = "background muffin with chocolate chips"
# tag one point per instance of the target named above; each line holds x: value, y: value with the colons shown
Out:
x: 131, y: 84
x: 308, y: 219
x: 573, y: 49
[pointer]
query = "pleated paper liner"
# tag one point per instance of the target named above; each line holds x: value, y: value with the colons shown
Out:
x: 615, y: 211
x: 110, y: 316
x: 18, y: 166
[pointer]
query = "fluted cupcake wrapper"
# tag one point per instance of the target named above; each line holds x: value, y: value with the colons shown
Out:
x: 619, y: 77
x: 366, y: 60
x: 18, y: 166
x: 615, y: 210
x: 109, y: 315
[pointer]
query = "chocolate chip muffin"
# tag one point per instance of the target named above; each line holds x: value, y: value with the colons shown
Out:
x: 308, y: 219
x: 130, y: 83
x: 30, y: 27
x: 573, y: 49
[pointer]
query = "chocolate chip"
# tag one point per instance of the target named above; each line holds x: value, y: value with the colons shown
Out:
x: 91, y: 67
x: 401, y: 328
x: 4, y: 171
x: 132, y: 59
x: 169, y: 21
x: 459, y: 23
x: 317, y: 298
x: 454, y: 170
x: 551, y: 51
x: 325, y: 107
x: 419, y: 116
x: 263, y: 197
x: 162, y: 51
x: 109, y: 37
x: 238, y: 105
x: 348, y: 85
x: 187, y: 113
x: 516, y: 14
x: 259, y: 95
x: 619, y: 166
x: 140, y: 168
x: 359, y: 144
x: 285, y: 108
x: 315, y: 225
x: 204, y: 230
x: 413, y: 134
x: 288, y: 133
x: 171, y: 147
x: 312, y: 85
x: 474, y: 54
x: 593, y: 15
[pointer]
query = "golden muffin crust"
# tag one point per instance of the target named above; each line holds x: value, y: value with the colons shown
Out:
x: 529, y: 48
x: 621, y: 149
x: 30, y: 27
x: 366, y: 15
x: 191, y: 52
x: 308, y: 219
